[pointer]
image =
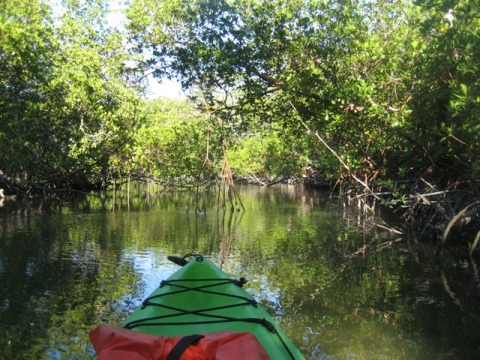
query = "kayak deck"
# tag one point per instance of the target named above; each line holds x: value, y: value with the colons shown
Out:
x: 200, y: 299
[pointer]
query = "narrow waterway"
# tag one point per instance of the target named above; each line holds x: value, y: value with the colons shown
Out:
x: 337, y: 291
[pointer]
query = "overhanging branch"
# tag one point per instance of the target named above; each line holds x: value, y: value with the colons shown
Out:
x: 343, y: 163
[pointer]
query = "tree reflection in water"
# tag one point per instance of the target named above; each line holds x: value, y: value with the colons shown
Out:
x: 338, y: 292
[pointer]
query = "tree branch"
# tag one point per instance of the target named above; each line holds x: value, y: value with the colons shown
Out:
x: 344, y: 164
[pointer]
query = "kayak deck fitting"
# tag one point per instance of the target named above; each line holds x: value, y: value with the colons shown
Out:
x: 201, y: 299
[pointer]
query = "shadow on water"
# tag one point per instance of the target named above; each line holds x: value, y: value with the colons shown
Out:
x: 339, y: 292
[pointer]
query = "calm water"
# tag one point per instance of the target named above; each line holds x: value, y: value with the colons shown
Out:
x: 338, y: 293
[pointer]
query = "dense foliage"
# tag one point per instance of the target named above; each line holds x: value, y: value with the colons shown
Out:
x: 65, y: 106
x: 357, y: 89
x: 387, y: 88
x: 172, y: 144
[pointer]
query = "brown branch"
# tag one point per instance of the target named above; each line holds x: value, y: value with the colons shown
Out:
x: 475, y: 243
x: 344, y: 164
x: 455, y: 219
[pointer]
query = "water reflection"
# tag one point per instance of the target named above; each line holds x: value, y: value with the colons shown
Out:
x: 66, y: 266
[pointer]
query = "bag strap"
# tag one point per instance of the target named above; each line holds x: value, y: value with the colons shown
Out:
x: 182, y: 345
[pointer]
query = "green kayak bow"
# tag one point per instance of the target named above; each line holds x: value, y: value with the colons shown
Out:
x: 201, y: 299
x: 197, y: 313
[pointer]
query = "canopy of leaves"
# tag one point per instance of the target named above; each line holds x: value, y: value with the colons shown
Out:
x: 65, y: 106
x: 172, y: 144
x: 390, y: 86
x: 354, y: 88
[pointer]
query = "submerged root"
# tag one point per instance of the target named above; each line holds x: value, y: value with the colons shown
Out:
x: 448, y: 218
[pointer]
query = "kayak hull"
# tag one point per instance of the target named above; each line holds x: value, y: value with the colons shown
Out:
x: 201, y: 299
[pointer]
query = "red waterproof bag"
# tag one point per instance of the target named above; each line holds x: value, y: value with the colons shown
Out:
x: 113, y: 343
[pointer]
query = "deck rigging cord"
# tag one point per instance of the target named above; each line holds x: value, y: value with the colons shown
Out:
x: 178, y: 288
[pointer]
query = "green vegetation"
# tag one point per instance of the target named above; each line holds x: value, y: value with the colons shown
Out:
x: 357, y: 89
x: 385, y: 94
x: 65, y: 107
x: 375, y: 94
x: 390, y: 88
x: 171, y: 144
